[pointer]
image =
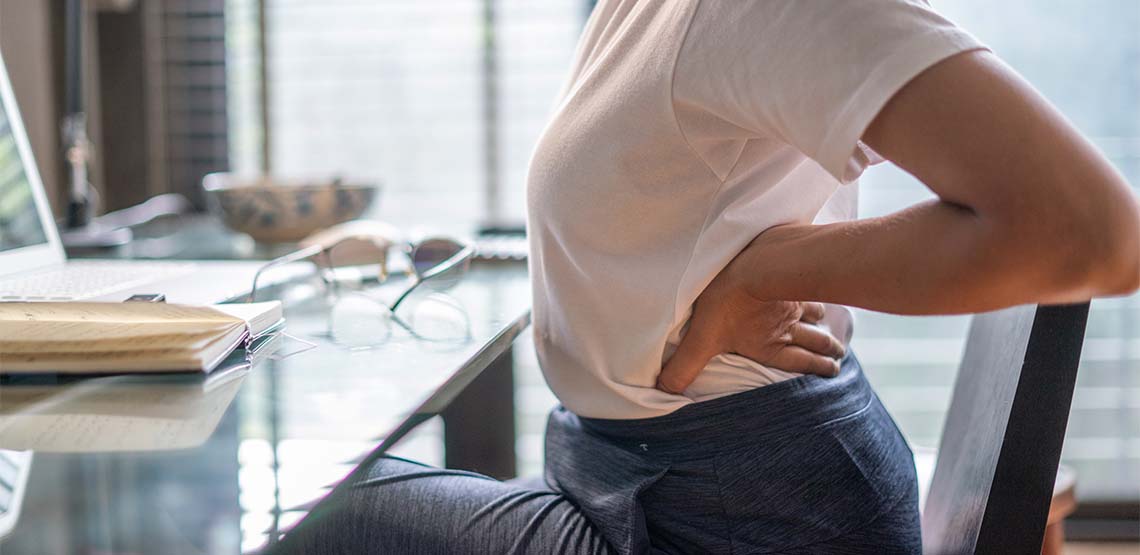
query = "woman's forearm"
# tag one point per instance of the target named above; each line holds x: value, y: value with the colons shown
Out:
x: 933, y: 258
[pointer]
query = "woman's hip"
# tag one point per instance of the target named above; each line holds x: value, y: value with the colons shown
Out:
x: 759, y: 418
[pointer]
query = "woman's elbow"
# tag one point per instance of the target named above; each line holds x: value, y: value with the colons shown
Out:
x: 1102, y: 252
x: 1121, y: 266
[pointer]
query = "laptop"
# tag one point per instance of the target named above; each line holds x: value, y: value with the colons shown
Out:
x: 33, y: 266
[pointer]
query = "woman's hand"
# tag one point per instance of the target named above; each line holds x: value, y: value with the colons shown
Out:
x: 727, y: 318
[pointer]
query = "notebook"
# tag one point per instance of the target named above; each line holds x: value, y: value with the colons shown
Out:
x: 137, y: 337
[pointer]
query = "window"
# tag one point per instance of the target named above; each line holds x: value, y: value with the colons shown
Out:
x: 404, y: 93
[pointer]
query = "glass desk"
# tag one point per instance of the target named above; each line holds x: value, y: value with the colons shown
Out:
x: 221, y: 464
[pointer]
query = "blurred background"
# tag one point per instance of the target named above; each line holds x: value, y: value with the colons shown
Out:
x: 442, y: 101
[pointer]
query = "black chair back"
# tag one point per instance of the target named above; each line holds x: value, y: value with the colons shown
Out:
x: 1001, y: 444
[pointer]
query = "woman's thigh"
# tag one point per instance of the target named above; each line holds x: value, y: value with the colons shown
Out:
x: 894, y: 532
x: 406, y: 507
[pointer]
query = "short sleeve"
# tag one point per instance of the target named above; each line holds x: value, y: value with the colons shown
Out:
x: 811, y: 73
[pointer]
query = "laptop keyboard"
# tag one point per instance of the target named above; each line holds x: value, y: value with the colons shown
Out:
x: 84, y: 280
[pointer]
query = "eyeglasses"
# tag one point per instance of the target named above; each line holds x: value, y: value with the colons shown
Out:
x: 359, y: 320
x: 439, y: 262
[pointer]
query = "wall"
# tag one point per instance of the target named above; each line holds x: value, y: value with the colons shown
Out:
x: 26, y: 45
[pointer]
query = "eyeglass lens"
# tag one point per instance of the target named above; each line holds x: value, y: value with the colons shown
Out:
x: 433, y: 252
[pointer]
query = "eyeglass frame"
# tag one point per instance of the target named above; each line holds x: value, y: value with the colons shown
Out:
x: 463, y: 256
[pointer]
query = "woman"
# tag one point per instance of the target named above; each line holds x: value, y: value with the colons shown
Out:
x: 690, y: 208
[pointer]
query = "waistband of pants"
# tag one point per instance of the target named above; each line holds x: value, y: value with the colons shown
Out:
x: 788, y: 407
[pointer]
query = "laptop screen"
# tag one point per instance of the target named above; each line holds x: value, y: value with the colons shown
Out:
x: 20, y: 224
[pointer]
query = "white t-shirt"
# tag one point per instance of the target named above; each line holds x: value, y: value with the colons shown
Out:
x: 686, y: 129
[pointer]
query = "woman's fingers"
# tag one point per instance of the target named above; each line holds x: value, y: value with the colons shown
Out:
x: 812, y: 312
x: 800, y: 360
x: 817, y: 340
x: 809, y: 349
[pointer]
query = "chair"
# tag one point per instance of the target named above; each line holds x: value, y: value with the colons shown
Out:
x: 1001, y: 444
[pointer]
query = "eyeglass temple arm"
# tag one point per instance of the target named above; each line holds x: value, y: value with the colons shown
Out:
x: 295, y: 256
x: 456, y: 259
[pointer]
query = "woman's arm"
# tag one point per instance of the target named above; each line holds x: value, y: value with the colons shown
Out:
x: 1027, y: 211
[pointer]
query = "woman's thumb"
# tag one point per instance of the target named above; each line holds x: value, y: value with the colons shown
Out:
x: 692, y: 354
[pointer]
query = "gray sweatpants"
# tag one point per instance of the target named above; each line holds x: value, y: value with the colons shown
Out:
x: 809, y: 465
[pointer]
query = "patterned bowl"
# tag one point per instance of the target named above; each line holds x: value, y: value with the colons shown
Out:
x: 276, y: 210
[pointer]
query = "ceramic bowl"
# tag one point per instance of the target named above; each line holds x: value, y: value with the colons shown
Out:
x: 280, y: 210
